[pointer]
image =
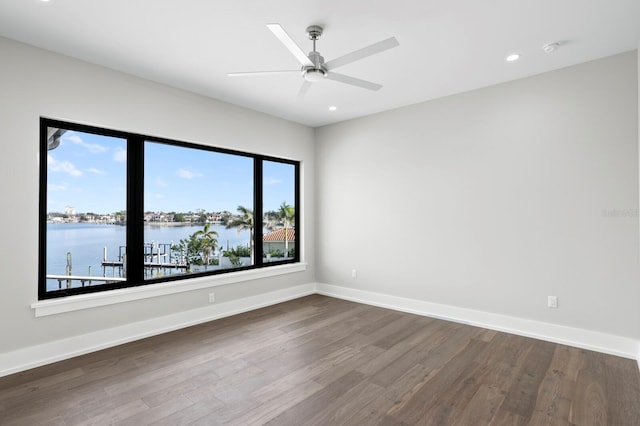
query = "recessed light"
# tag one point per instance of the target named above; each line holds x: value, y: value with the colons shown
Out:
x: 332, y: 108
x: 513, y: 57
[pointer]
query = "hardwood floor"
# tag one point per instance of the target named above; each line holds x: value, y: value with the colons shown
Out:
x: 319, y: 360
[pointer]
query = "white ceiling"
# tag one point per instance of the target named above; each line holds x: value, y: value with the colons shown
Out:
x: 446, y: 47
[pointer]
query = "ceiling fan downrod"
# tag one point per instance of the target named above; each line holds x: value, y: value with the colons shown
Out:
x: 315, y: 72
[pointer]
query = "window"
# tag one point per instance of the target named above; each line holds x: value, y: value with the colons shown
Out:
x: 279, y: 218
x: 191, y: 217
x: 120, y: 210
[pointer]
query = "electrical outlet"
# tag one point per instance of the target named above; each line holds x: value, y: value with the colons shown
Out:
x: 552, y: 302
x: 212, y: 297
x: 354, y: 273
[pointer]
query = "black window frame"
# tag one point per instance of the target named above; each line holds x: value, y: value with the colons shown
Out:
x: 135, y: 210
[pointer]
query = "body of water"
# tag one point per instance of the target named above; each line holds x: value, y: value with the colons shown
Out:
x: 86, y: 243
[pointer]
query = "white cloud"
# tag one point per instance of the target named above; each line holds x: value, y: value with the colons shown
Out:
x: 187, y: 174
x: 120, y: 155
x: 62, y: 166
x: 95, y: 171
x: 272, y: 181
x: 53, y: 187
x: 161, y: 182
x: 91, y: 147
x: 161, y: 196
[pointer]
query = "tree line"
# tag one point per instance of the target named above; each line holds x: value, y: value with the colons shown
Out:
x: 198, y: 248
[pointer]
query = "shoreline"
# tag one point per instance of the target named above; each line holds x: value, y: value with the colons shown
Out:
x: 182, y: 223
x: 168, y: 224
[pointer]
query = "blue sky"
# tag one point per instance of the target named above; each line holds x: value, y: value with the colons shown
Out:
x: 88, y: 172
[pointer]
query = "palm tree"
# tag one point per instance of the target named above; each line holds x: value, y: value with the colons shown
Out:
x: 271, y: 220
x: 288, y: 216
x: 243, y: 222
x: 208, y: 239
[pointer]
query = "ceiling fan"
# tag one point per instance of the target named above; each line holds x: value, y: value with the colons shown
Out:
x: 314, y: 68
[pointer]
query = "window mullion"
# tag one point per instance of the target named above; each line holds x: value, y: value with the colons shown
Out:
x: 257, y: 210
x: 135, y: 206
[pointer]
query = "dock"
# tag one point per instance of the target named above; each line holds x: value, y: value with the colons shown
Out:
x: 84, y: 280
x: 155, y: 254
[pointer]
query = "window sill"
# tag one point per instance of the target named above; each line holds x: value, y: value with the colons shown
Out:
x: 85, y: 301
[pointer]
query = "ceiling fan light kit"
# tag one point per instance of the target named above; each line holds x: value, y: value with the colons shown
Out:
x: 313, y: 74
x: 313, y: 66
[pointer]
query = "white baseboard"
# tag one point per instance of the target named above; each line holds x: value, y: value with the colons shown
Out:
x: 46, y: 353
x: 581, y: 338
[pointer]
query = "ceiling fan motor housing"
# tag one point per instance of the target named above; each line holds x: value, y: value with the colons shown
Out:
x: 316, y: 59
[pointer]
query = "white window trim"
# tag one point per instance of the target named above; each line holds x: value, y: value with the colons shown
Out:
x: 110, y: 297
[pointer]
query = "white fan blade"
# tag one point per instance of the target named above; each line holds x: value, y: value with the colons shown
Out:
x: 353, y: 81
x: 381, y: 46
x: 291, y: 45
x: 251, y: 73
x: 303, y: 90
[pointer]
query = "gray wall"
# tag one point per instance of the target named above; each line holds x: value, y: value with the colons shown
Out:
x: 34, y: 82
x: 493, y: 199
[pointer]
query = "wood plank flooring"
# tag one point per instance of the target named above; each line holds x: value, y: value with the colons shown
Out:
x: 324, y: 361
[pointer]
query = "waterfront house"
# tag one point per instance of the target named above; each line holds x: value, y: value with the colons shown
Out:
x: 281, y: 240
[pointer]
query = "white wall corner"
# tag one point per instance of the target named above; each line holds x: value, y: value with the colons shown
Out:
x: 581, y: 338
x: 46, y: 353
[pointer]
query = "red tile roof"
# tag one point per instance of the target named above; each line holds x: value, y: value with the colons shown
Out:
x: 279, y: 235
